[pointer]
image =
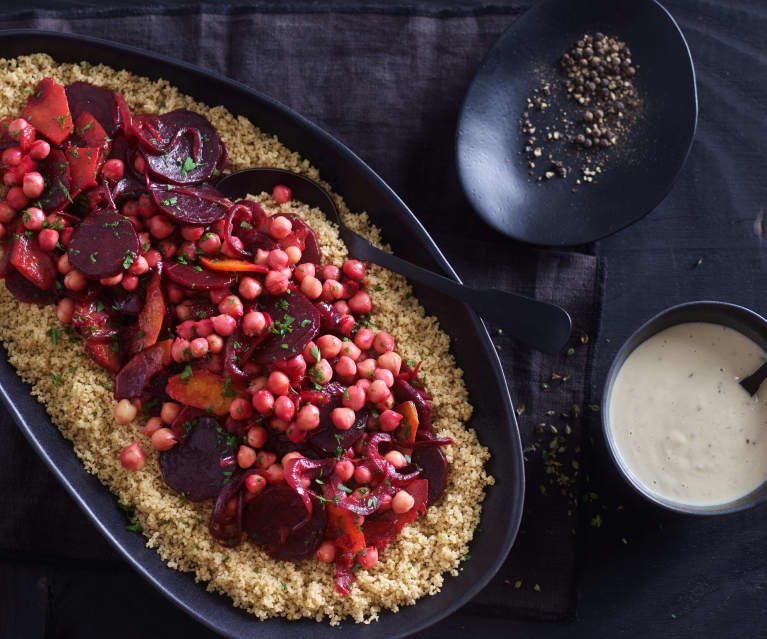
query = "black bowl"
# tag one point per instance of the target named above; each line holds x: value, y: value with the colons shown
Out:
x: 494, y: 417
x: 491, y: 166
x: 737, y: 317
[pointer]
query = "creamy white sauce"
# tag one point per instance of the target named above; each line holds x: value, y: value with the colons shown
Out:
x: 682, y: 423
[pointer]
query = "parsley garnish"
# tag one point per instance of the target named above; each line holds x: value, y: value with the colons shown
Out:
x: 186, y: 374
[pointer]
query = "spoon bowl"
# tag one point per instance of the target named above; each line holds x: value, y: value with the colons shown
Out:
x: 541, y: 325
x: 637, y: 175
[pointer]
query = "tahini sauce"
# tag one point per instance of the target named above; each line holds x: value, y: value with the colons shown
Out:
x: 683, y: 425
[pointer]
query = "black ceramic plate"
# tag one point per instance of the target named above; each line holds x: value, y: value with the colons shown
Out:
x: 494, y: 417
x: 638, y: 175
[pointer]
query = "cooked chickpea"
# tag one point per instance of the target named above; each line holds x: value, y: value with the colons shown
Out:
x: 256, y: 436
x: 308, y: 417
x: 354, y: 398
x: 169, y: 412
x: 368, y: 558
x: 329, y: 345
x: 302, y: 271
x: 152, y: 425
x: 164, y: 439
x: 396, y: 459
x: 383, y: 342
x: 402, y: 502
x: 246, y: 456
x: 326, y: 553
x: 240, y: 408
x: 132, y: 457
x: 124, y: 412
x: 344, y: 469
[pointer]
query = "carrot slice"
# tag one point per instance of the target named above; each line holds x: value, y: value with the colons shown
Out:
x: 152, y: 315
x: 232, y: 265
x: 48, y: 111
x: 204, y: 390
x: 409, y: 425
x: 345, y: 529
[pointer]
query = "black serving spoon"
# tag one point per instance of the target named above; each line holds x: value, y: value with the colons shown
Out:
x: 637, y: 174
x: 755, y: 379
x: 543, y: 326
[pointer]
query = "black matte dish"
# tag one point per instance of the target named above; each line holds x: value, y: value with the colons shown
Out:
x: 494, y: 417
x: 639, y: 174
x: 741, y: 319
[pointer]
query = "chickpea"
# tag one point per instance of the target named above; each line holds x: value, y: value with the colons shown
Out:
x: 124, y: 412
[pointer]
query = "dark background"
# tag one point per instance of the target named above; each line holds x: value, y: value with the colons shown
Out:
x: 643, y: 572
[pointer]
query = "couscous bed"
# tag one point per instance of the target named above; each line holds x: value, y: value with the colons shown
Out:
x: 78, y: 395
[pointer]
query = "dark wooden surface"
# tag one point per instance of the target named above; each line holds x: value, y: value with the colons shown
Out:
x: 643, y: 572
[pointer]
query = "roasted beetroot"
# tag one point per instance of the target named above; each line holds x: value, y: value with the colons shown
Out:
x: 181, y: 147
x: 195, y: 469
x: 21, y: 288
x: 48, y: 111
x: 55, y: 172
x: 190, y: 204
x: 32, y: 262
x: 433, y: 465
x: 296, y: 323
x: 140, y: 369
x: 382, y: 528
x: 97, y: 101
x: 326, y: 438
x: 197, y: 277
x: 103, y: 244
x: 272, y: 522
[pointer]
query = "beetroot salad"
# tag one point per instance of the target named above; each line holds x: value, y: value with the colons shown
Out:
x: 256, y: 367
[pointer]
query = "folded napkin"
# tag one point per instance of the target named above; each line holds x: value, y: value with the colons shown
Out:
x: 550, y: 394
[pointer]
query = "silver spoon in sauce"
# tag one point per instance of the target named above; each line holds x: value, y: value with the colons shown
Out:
x: 546, y: 327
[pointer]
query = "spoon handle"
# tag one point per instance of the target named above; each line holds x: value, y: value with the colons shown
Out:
x: 545, y: 327
x: 755, y: 379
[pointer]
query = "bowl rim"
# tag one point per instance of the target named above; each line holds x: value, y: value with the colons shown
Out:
x: 625, y: 350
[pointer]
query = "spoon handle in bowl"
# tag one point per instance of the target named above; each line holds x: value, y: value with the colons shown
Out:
x: 546, y: 327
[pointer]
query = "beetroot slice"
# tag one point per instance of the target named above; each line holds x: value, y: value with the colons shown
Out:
x: 200, y: 308
x: 311, y: 251
x: 191, y: 147
x: 280, y: 444
x: 433, y: 464
x: 381, y: 529
x: 191, y: 205
x: 297, y: 332
x: 203, y: 279
x: 269, y: 522
x: 135, y: 375
x: 326, y: 438
x: 132, y: 184
x: 194, y: 469
x: 97, y: 101
x: 55, y: 172
x: 253, y: 240
x: 22, y: 289
x: 101, y: 244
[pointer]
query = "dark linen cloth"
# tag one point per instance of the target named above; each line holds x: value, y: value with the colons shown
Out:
x: 389, y: 85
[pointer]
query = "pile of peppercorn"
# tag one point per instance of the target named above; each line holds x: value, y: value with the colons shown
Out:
x: 599, y: 74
